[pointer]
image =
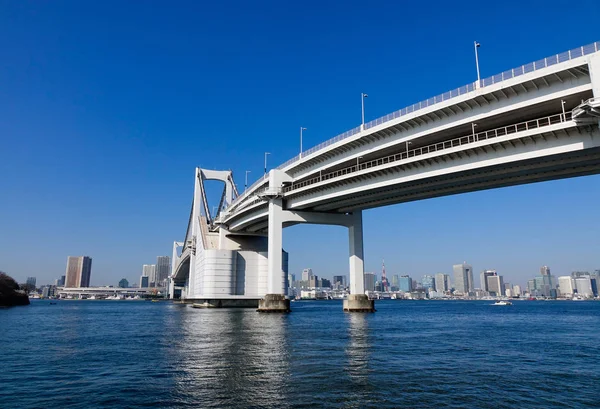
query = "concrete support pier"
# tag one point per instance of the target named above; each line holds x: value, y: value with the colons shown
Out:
x: 357, y: 300
x: 274, y: 303
x: 359, y: 303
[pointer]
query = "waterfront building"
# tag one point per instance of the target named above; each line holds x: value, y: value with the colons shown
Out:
x: 483, y: 278
x: 79, y: 271
x: 463, y: 278
x: 395, y: 282
x: 369, y: 281
x: 31, y: 281
x: 545, y: 271
x: 339, y: 282
x: 324, y: 283
x: 144, y: 282
x: 428, y: 282
x: 163, y: 270
x: 149, y: 270
x: 124, y: 283
x: 307, y: 274
x: 495, y: 285
x: 291, y: 279
x: 405, y: 284
x: 584, y: 287
x: 566, y: 286
x: 516, y: 290
x: 442, y: 282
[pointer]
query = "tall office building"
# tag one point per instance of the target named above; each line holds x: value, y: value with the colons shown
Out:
x: 307, y: 274
x: 124, y: 283
x: 405, y: 283
x: 370, y: 281
x: 483, y: 278
x: 31, y: 282
x: 149, y: 270
x: 428, y: 282
x: 339, y: 281
x: 291, y: 279
x: 79, y: 271
x: 495, y: 284
x: 144, y: 283
x: 544, y: 270
x: 442, y: 282
x: 566, y: 286
x: 516, y: 290
x: 584, y: 286
x: 163, y: 270
x: 463, y: 278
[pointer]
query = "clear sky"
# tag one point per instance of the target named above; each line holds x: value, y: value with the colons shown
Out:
x: 107, y: 107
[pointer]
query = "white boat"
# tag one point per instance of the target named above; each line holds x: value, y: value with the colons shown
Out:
x: 502, y: 302
x: 578, y: 297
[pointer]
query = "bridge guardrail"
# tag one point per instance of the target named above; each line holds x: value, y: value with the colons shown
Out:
x: 463, y: 140
x: 494, y: 79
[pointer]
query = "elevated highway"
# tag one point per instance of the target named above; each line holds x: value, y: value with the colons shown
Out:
x: 533, y: 123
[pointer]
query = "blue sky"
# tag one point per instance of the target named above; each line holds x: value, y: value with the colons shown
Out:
x: 107, y: 107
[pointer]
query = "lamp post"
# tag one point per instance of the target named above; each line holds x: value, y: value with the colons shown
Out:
x: 362, y: 101
x: 477, y: 45
x: 357, y: 163
x: 246, y: 184
x: 266, y: 153
x: 301, y: 129
x: 473, y: 125
x: 562, y: 103
x: 407, y: 143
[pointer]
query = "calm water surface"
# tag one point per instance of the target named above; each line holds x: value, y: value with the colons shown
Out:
x: 410, y: 354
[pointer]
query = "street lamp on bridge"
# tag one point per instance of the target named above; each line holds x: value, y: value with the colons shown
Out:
x: 266, y: 153
x: 362, y: 101
x: 246, y: 184
x: 477, y: 45
x: 301, y: 129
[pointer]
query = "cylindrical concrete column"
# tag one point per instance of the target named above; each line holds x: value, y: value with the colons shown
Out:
x: 357, y: 273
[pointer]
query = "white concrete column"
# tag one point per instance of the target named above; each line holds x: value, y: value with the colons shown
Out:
x: 275, y: 276
x: 357, y: 269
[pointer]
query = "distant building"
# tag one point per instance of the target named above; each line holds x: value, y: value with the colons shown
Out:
x: 149, y: 270
x: 428, y: 282
x: 463, y: 278
x: 395, y: 282
x: 544, y: 270
x: 307, y: 274
x: 405, y: 284
x: 483, y: 278
x: 123, y: 283
x: 339, y: 282
x: 516, y: 290
x: 31, y: 282
x: 584, y: 287
x: 144, y: 282
x: 291, y: 280
x: 324, y: 283
x: 163, y: 270
x: 495, y: 285
x: 79, y: 271
x: 566, y: 286
x: 369, y: 281
x: 442, y: 282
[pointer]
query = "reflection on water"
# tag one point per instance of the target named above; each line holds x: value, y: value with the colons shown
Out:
x: 233, y: 358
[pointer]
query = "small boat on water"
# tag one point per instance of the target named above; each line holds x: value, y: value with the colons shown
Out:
x: 502, y: 302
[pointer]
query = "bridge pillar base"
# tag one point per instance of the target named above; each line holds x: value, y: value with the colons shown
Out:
x: 274, y: 303
x: 359, y: 303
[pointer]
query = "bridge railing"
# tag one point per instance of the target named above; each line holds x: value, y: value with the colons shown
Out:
x: 464, y: 140
x: 515, y: 72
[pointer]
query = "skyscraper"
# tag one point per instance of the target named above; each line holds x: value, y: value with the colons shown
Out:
x: 149, y: 270
x: 144, y: 282
x: 163, y: 269
x: 405, y: 283
x: 31, y: 282
x: 566, y: 286
x: 369, y: 282
x: 339, y: 281
x: 463, y: 278
x: 442, y: 282
x: 483, y: 278
x: 428, y: 282
x: 307, y: 274
x: 495, y: 284
x: 124, y: 283
x: 79, y: 271
x: 545, y: 270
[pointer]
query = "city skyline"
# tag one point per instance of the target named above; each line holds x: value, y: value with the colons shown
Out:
x: 109, y: 114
